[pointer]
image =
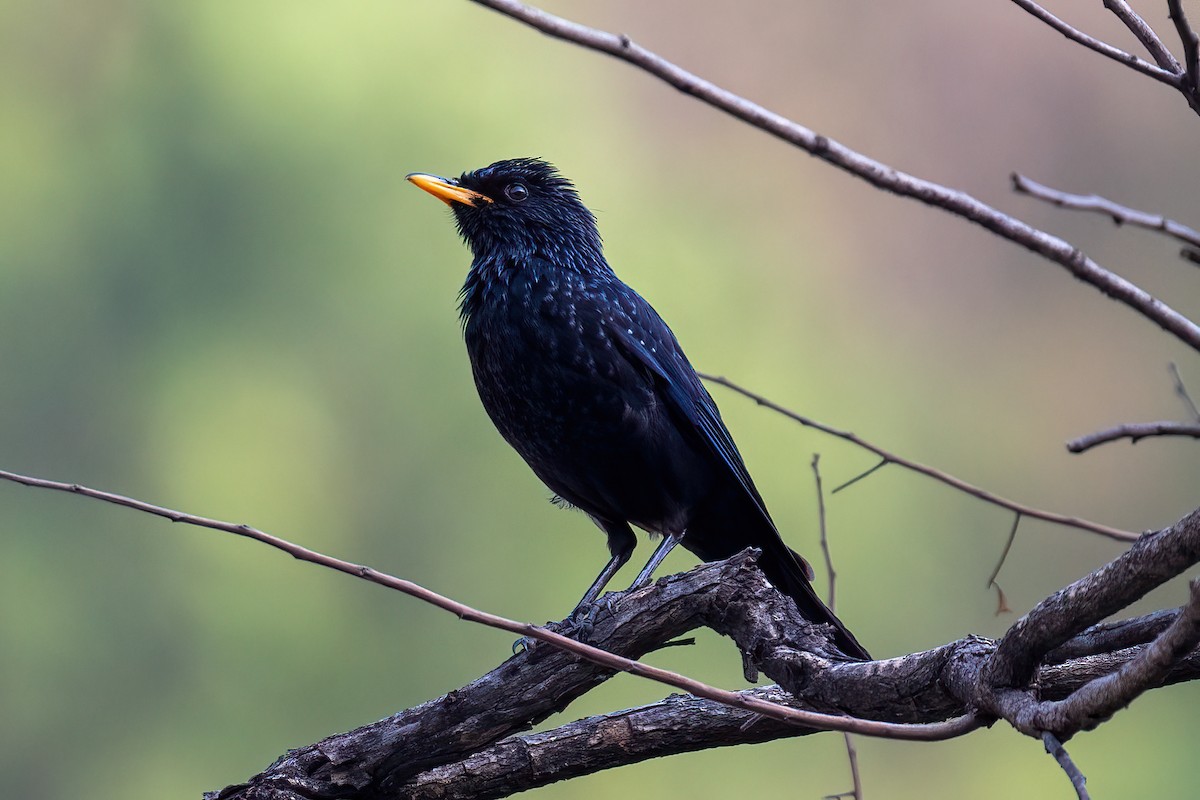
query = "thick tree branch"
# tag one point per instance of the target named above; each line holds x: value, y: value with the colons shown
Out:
x: 1153, y: 559
x: 937, y: 690
x: 1107, y: 637
x: 1098, y: 700
x: 680, y: 724
x: 922, y: 687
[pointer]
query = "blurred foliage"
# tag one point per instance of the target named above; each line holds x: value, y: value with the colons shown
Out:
x: 218, y: 293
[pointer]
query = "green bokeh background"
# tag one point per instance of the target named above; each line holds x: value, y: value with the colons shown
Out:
x: 218, y: 293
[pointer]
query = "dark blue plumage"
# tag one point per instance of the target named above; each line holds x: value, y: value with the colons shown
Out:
x: 585, y: 380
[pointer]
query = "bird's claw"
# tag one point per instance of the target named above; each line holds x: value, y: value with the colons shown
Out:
x: 578, y: 625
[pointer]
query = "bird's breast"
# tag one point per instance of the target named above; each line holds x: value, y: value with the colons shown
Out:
x: 590, y: 424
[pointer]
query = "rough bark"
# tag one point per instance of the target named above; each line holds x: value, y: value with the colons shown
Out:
x: 469, y: 743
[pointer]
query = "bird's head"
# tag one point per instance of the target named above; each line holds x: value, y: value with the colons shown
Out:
x: 518, y: 209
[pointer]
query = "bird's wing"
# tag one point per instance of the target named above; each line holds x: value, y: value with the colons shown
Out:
x: 649, y: 344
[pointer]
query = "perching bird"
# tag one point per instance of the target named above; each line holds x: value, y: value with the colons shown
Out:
x: 585, y: 380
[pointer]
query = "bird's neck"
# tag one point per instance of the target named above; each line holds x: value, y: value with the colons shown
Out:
x: 501, y: 279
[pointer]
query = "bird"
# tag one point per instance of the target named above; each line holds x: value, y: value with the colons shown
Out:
x: 584, y: 379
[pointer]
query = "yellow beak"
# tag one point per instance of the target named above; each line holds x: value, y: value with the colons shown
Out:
x: 446, y: 189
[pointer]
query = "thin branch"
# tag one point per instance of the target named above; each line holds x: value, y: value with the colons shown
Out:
x: 831, y: 573
x: 1182, y: 392
x: 1121, y: 215
x: 874, y: 172
x: 1012, y: 537
x: 1191, y: 44
x: 866, y: 473
x: 463, y: 611
x: 1001, y: 599
x: 937, y: 475
x: 1104, y: 49
x: 1134, y: 432
x: 1055, y: 748
x: 856, y: 790
x: 1145, y: 34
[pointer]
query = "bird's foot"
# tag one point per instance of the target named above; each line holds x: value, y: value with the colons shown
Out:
x: 578, y: 625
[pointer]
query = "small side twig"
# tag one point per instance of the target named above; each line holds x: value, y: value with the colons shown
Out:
x: 866, y: 473
x: 1182, y: 392
x: 1134, y: 432
x: 1001, y: 600
x: 1121, y: 215
x: 1055, y: 748
x: 942, y: 477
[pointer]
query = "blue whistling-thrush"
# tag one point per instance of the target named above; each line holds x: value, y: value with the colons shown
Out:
x: 585, y: 380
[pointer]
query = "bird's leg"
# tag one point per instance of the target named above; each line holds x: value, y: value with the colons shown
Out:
x: 621, y: 541
x: 617, y: 561
x: 667, y: 544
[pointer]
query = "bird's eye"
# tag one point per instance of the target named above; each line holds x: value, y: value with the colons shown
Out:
x: 516, y: 192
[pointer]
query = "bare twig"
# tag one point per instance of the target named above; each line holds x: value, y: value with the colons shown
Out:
x: 1116, y: 54
x: 1012, y: 536
x: 1001, y: 600
x: 856, y: 790
x: 1145, y: 34
x: 1055, y: 748
x: 866, y: 473
x: 874, y: 172
x: 463, y: 611
x: 938, y: 475
x: 1121, y: 215
x: 1191, y: 44
x: 1134, y: 432
x: 831, y: 597
x: 851, y: 750
x: 1182, y: 392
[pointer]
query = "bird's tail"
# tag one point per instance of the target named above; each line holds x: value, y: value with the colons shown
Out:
x: 790, y: 573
